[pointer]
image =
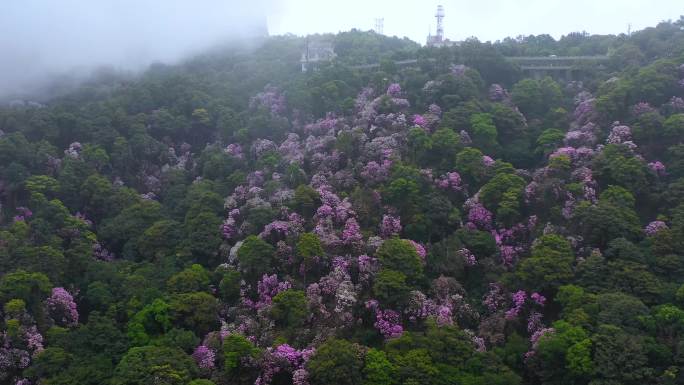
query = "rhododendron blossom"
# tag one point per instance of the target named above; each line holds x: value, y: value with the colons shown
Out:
x: 390, y: 226
x: 451, y: 181
x: 654, y: 227
x: 519, y: 299
x: 658, y: 168
x: 619, y: 134
x: 420, y: 249
x: 480, y: 217
x: 62, y: 307
x: 204, y: 357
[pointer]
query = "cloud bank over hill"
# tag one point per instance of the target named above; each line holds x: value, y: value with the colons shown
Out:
x: 43, y: 38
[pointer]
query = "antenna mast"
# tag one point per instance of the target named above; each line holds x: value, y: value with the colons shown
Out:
x: 380, y: 25
x: 440, y: 24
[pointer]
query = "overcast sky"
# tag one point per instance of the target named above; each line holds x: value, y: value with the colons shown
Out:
x: 485, y: 19
x: 41, y: 37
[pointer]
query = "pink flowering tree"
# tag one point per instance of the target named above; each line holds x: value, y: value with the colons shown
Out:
x: 62, y: 307
x: 390, y: 226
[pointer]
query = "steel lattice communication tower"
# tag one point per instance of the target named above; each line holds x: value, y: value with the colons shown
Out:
x: 380, y: 25
x: 440, y: 24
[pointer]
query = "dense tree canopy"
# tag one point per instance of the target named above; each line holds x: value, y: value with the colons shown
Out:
x: 234, y: 220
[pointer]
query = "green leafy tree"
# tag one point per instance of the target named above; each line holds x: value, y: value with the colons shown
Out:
x: 445, y: 145
x: 377, y: 369
x: 603, y: 222
x: 195, y: 278
x: 336, y: 361
x: 123, y: 231
x: 290, y: 309
x: 617, y: 166
x: 390, y: 287
x: 484, y: 132
x: 152, y: 321
x: 30, y: 287
x: 309, y: 247
x: 549, y: 265
x: 561, y: 356
x: 229, y: 286
x: 195, y: 311
x: 493, y: 193
x: 203, y: 237
x: 400, y: 255
x: 152, y: 364
x: 236, y: 348
x: 536, y: 98
x: 160, y: 239
x: 620, y: 356
x: 255, y: 258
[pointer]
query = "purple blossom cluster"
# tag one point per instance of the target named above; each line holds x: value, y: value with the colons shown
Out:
x: 585, y: 111
x: 351, y: 235
x: 62, y: 307
x: 468, y: 257
x: 444, y: 316
x: 519, y: 298
x: 420, y: 249
x: 285, y: 358
x: 394, y: 90
x: 19, y: 347
x: 538, y: 299
x: 535, y: 338
x: 458, y: 70
x: 509, y: 255
x: 388, y: 322
x: 466, y: 140
x: 74, y: 150
x: 367, y: 267
x: 583, y: 136
x: 291, y: 149
x: 260, y: 147
x: 534, y: 322
x: 268, y: 287
x: 390, y: 226
x: 497, y: 93
x: 229, y: 227
x: 234, y: 150
x: 655, y: 227
x: 269, y: 99
x: 375, y: 173
x: 23, y: 214
x: 479, y: 217
x: 677, y: 104
x: 101, y: 253
x: 450, y: 181
x: 280, y: 229
x: 495, y: 297
x: 205, y: 357
x: 642, y: 108
x: 323, y: 126
x: 331, y: 215
x: 479, y: 343
x: 419, y: 121
x: 568, y: 152
x: 658, y: 168
x: 619, y: 134
x: 419, y: 306
x: 487, y: 161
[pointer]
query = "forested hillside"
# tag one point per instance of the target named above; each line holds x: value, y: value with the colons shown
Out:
x: 232, y: 220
